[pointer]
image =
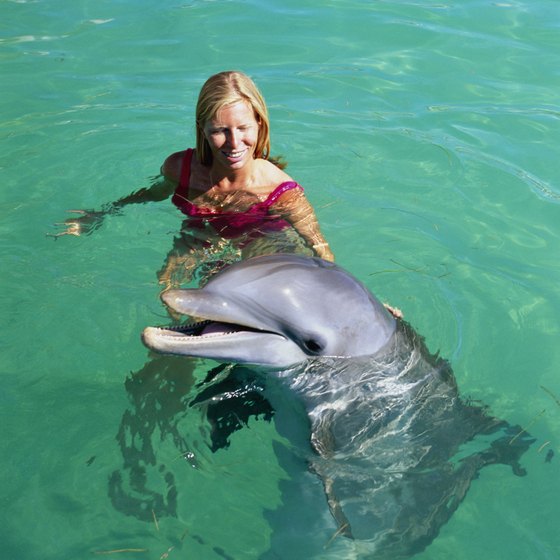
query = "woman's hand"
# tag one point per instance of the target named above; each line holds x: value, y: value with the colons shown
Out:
x: 394, y: 311
x: 323, y: 251
x: 85, y: 223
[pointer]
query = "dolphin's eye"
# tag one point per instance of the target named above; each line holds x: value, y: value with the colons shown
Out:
x: 312, y: 345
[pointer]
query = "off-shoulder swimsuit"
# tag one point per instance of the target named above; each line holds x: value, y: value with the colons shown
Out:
x: 255, y: 220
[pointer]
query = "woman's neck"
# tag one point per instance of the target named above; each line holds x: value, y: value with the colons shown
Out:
x: 233, y: 179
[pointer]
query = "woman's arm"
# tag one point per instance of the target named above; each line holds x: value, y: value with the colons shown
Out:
x: 87, y: 221
x: 294, y: 207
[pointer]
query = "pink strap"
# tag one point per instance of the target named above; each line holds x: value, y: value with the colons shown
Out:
x: 280, y: 190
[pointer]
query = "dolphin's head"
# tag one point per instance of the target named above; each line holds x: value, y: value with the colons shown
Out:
x: 275, y: 310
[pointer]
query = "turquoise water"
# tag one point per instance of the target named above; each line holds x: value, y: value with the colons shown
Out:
x: 426, y: 135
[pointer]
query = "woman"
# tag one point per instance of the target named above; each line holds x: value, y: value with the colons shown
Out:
x: 228, y: 183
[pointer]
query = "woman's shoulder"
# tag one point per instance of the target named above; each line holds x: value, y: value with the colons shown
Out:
x: 271, y: 175
x: 171, y: 168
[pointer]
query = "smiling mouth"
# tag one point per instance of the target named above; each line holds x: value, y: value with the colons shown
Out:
x: 235, y: 155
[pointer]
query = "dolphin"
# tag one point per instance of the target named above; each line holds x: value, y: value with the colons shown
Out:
x: 394, y: 444
x: 272, y: 311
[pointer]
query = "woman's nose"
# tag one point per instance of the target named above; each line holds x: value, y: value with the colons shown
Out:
x: 234, y: 138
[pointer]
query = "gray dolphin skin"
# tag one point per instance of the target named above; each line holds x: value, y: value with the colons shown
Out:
x: 392, y: 441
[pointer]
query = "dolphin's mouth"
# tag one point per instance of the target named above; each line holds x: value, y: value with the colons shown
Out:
x: 206, y: 328
x: 222, y: 329
x: 222, y: 341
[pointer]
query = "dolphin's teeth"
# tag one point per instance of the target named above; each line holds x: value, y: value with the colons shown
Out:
x: 188, y: 329
x: 206, y: 329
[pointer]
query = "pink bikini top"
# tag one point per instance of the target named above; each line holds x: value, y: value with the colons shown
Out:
x: 230, y: 224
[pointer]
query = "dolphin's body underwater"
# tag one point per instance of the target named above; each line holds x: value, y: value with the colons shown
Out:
x: 395, y: 445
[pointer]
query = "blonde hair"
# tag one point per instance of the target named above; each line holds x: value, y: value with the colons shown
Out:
x: 225, y: 89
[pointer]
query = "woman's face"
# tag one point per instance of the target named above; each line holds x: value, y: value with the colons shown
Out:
x: 232, y: 135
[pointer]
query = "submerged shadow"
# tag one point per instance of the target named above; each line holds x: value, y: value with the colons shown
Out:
x: 157, y: 396
x: 161, y: 395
